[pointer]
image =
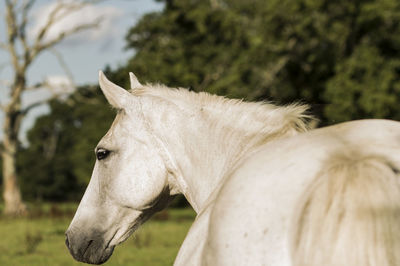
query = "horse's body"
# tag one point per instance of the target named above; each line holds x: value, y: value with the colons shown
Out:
x: 254, y: 218
x: 264, y: 194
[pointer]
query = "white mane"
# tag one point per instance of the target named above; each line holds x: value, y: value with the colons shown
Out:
x: 257, y: 119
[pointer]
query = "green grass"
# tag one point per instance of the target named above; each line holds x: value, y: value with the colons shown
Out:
x: 40, y: 240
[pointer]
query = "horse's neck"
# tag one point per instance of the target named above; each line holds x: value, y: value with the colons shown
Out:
x: 208, y: 142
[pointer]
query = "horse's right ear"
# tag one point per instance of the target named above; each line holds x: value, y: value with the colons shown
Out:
x: 115, y: 95
x: 135, y: 84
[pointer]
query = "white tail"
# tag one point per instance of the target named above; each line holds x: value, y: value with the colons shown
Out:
x: 350, y: 215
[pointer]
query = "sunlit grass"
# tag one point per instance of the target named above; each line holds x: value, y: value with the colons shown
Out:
x: 40, y: 240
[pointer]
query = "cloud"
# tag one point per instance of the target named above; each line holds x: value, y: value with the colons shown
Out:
x: 106, y: 15
x: 60, y: 84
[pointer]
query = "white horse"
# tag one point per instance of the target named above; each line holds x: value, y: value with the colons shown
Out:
x: 264, y: 194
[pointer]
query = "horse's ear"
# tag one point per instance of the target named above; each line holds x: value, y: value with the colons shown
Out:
x: 134, y: 81
x: 115, y: 95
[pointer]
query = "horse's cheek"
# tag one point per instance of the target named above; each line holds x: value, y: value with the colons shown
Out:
x: 155, y: 181
x: 140, y: 185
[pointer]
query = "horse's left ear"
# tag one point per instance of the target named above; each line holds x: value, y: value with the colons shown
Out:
x: 134, y: 81
x: 118, y: 97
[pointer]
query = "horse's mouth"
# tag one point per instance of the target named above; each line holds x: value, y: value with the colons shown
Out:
x: 122, y: 234
x: 90, y: 251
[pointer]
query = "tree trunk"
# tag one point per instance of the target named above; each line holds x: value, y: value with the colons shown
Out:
x: 22, y: 54
x: 13, y: 205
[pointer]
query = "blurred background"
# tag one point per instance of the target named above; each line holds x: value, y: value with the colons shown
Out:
x: 340, y: 57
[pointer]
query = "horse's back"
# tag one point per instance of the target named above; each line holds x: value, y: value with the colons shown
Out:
x: 252, y: 216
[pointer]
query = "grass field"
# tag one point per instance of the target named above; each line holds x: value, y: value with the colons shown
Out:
x: 39, y: 240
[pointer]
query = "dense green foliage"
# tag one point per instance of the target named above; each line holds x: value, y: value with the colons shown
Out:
x: 341, y: 57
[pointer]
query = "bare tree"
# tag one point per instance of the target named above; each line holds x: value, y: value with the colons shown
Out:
x: 23, y: 52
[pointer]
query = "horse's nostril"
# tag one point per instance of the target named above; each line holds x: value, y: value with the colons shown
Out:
x: 66, y: 241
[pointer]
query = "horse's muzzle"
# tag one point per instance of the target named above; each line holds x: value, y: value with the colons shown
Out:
x: 93, y: 250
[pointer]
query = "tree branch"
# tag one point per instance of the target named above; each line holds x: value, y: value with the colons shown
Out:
x: 66, y: 8
x: 63, y: 65
x: 26, y: 110
x: 65, y: 34
x: 51, y: 89
x: 12, y: 33
x: 17, y: 21
x: 22, y: 29
x: 51, y: 20
x: 26, y: 7
x: 53, y: 96
x: 36, y: 86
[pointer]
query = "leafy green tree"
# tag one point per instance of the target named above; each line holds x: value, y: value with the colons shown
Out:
x: 192, y: 44
x: 278, y: 50
x: 366, y: 85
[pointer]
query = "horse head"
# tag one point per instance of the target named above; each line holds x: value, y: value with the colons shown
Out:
x: 129, y: 182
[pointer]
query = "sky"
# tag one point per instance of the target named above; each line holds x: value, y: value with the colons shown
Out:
x: 84, y: 53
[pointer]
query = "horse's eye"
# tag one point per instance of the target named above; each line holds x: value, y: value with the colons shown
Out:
x: 102, y: 154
